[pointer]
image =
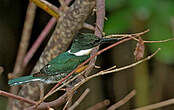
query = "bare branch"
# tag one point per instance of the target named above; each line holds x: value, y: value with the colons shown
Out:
x: 157, y: 105
x: 115, y: 70
x: 100, y: 105
x: 100, y: 15
x: 128, y: 35
x: 54, y: 103
x: 123, y: 101
x: 80, y: 99
x: 39, y: 40
x: 3, y: 93
x: 49, y: 8
x: 160, y: 41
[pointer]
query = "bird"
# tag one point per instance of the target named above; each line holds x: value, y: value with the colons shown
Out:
x: 60, y: 66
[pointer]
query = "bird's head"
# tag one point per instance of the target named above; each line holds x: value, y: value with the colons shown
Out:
x: 85, y: 42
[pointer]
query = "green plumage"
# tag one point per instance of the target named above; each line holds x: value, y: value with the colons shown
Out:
x: 66, y: 62
x: 56, y: 69
x: 22, y: 80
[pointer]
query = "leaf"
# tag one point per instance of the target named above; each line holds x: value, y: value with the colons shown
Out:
x: 139, y: 51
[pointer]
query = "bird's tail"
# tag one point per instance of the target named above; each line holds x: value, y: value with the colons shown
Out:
x: 22, y: 80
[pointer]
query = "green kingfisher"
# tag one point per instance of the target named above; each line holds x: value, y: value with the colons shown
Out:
x: 60, y: 66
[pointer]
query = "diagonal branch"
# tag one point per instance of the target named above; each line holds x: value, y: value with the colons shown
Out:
x: 80, y: 99
x: 157, y: 105
x: 3, y: 93
x: 123, y: 101
x: 99, y: 105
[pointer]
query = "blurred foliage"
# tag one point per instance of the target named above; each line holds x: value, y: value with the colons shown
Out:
x: 158, y: 15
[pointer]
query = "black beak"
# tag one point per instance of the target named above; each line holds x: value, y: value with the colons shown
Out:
x: 110, y: 40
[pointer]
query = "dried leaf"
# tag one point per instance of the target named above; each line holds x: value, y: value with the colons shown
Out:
x: 139, y: 51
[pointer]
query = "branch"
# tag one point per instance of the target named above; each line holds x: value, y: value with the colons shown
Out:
x: 160, y: 41
x: 3, y: 93
x: 157, y: 105
x: 62, y: 98
x: 39, y: 40
x: 100, y: 15
x: 54, y: 103
x: 100, y: 105
x: 46, y: 6
x: 80, y: 99
x: 123, y: 101
x: 127, y: 35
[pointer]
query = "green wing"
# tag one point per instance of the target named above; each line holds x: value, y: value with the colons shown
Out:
x: 64, y: 63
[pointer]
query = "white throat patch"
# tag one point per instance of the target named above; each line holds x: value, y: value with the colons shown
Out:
x: 81, y: 52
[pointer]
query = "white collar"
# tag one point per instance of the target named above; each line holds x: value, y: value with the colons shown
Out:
x: 81, y: 52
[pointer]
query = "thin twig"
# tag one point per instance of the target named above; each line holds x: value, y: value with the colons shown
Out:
x: 127, y: 35
x: 3, y: 93
x: 115, y: 70
x: 80, y: 99
x: 157, y: 105
x: 66, y: 105
x: 43, y: 105
x: 160, y: 41
x: 70, y: 94
x: 100, y: 105
x: 123, y: 101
